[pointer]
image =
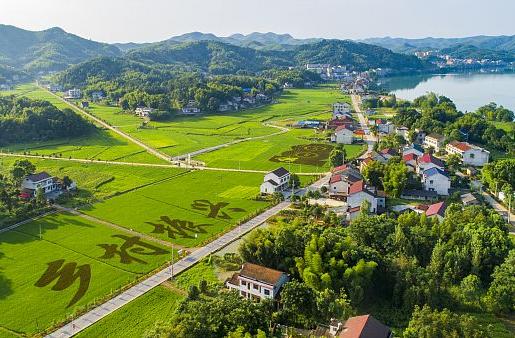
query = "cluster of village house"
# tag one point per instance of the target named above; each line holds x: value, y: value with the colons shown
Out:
x: 352, y: 82
x: 248, y: 100
x: 52, y: 187
x: 347, y: 183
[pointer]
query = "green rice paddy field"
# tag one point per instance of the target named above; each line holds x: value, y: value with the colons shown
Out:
x: 294, y: 150
x: 186, y: 210
x: 100, y: 145
x: 99, y: 180
x: 32, y: 297
x: 158, y: 305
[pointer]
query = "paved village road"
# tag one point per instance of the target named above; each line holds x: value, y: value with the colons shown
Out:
x: 369, y: 138
x: 501, y: 210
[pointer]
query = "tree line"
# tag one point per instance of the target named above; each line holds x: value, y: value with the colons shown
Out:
x: 26, y: 120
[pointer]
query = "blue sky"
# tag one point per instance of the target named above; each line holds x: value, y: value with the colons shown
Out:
x: 154, y: 20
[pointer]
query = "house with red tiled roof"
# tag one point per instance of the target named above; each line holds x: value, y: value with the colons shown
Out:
x: 410, y: 160
x: 428, y: 161
x: 257, y: 282
x: 341, y: 181
x: 358, y: 193
x: 436, y: 210
x: 364, y: 326
x: 469, y: 153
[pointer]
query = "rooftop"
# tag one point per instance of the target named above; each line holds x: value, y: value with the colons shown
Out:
x: 364, y: 327
x: 428, y: 158
x: 436, y: 209
x: 435, y: 171
x: 261, y: 273
x: 356, y: 187
x: 39, y: 177
x: 280, y: 172
x: 409, y: 157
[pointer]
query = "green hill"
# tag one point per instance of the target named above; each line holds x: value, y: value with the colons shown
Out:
x: 49, y: 50
x: 221, y: 58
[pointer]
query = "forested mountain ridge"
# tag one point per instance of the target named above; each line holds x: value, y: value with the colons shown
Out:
x: 54, y: 50
x: 402, y: 45
x: 221, y: 58
x: 49, y: 50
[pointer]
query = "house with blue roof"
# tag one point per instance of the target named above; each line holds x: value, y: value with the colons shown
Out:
x: 413, y: 149
x: 437, y: 180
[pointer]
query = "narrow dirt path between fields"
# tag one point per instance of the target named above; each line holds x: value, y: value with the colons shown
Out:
x: 119, y: 227
x: 282, y: 130
x: 151, y: 165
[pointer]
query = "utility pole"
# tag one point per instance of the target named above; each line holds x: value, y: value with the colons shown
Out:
x: 171, y: 266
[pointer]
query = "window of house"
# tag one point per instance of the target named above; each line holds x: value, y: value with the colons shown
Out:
x: 431, y: 182
x: 267, y: 292
x: 471, y: 155
x: 256, y: 287
x: 243, y: 282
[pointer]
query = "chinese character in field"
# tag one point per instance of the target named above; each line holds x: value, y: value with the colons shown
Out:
x: 177, y: 227
x: 132, y: 246
x: 66, y: 275
x: 215, y: 210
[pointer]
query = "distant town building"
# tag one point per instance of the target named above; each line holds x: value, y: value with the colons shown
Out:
x: 469, y: 199
x: 341, y: 108
x: 470, y: 154
x: 428, y: 161
x: 413, y: 149
x: 256, y: 282
x: 49, y: 185
x: 275, y: 181
x: 97, y: 96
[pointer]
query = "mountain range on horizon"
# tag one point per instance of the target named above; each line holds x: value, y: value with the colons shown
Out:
x: 54, y: 49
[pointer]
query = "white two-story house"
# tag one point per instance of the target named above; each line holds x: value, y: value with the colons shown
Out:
x: 275, y: 181
x: 434, y: 141
x: 436, y: 179
x: 43, y: 180
x: 342, y: 135
x: 469, y: 153
x: 256, y: 282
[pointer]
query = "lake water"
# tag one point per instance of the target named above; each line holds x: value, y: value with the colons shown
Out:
x: 468, y: 91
